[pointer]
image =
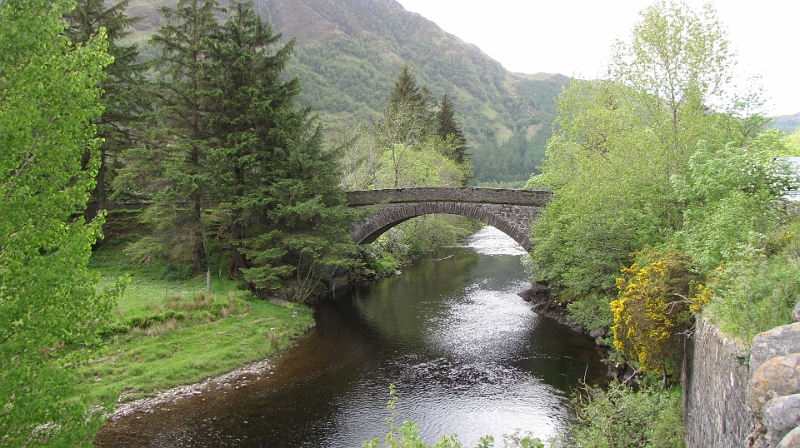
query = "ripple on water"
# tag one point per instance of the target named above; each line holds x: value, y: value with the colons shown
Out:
x: 490, y: 241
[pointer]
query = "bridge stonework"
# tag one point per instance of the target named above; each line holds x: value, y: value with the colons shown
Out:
x: 510, y: 211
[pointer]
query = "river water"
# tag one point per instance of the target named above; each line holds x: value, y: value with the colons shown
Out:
x: 466, y: 354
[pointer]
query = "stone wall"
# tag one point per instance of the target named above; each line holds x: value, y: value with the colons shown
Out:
x: 476, y: 195
x: 714, y: 382
x: 513, y: 220
x: 735, y: 397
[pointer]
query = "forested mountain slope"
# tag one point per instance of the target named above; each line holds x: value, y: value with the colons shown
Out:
x: 349, y: 52
x: 787, y: 123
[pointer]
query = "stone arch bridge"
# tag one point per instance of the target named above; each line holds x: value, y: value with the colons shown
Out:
x: 510, y: 211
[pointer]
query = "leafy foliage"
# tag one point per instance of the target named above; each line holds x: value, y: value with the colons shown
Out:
x: 652, y: 308
x: 734, y: 199
x: 49, y: 303
x: 621, y: 145
x: 591, y: 312
x: 611, y: 185
x: 619, y: 417
x: 755, y: 292
x: 664, y: 161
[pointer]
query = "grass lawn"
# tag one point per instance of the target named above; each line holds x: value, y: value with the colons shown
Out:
x: 167, y: 333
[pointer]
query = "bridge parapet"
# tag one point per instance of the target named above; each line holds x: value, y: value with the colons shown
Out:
x: 536, y: 198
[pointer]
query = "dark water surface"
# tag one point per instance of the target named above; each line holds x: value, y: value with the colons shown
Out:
x: 465, y: 352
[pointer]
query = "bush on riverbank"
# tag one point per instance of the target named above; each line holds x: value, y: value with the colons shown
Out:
x: 621, y: 417
x: 757, y: 292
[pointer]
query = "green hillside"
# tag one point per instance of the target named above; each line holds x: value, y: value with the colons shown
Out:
x: 349, y: 52
x: 787, y: 123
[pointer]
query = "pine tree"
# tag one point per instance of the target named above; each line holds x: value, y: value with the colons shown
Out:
x: 288, y: 214
x: 406, y: 120
x: 183, y: 102
x: 123, y: 89
x: 446, y: 125
x: 411, y: 100
x: 405, y: 88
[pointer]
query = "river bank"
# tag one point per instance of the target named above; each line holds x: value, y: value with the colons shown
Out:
x: 235, y: 379
x: 167, y: 333
x: 466, y: 353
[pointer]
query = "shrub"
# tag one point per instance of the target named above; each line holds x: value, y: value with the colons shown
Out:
x: 591, y: 312
x: 652, y: 308
x: 141, y: 322
x: 754, y: 295
x: 619, y: 417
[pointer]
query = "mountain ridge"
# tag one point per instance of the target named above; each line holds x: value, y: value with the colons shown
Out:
x: 349, y: 52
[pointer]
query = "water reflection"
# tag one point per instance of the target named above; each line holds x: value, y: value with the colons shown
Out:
x: 465, y: 352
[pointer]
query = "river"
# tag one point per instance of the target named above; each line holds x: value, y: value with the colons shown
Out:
x: 466, y: 354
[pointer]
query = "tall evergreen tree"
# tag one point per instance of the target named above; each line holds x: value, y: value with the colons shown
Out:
x: 405, y: 88
x: 406, y: 120
x: 446, y: 125
x: 288, y: 213
x: 183, y: 102
x: 412, y: 101
x: 122, y: 90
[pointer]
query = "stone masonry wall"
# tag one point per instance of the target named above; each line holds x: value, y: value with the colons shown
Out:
x: 513, y: 220
x: 510, y: 211
x: 714, y: 382
x: 743, y: 398
x: 477, y: 195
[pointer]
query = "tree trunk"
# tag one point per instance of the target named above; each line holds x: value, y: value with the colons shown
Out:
x: 199, y: 235
x: 238, y: 260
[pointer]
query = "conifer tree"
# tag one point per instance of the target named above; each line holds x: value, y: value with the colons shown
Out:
x: 446, y: 125
x: 123, y: 90
x: 406, y: 120
x: 288, y: 214
x: 414, y: 103
x: 183, y: 102
x: 405, y: 88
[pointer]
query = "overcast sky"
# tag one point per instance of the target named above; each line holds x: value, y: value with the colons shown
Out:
x: 573, y: 37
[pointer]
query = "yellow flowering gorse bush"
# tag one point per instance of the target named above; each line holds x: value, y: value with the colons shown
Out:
x: 652, y: 307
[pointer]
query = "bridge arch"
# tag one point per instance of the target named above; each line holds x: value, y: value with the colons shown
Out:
x: 510, y: 211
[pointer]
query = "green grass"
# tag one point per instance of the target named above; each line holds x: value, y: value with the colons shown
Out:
x: 170, y: 333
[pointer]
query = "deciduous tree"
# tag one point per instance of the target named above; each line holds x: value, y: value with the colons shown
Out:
x: 679, y: 60
x: 49, y: 303
x: 619, y: 141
